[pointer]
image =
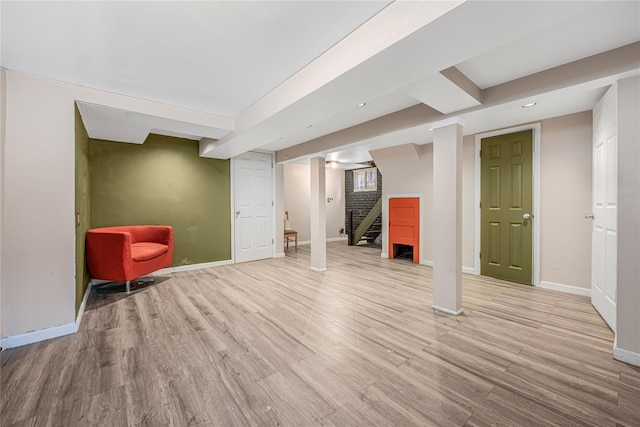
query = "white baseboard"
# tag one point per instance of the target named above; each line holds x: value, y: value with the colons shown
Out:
x: 30, y: 337
x: 384, y: 255
x: 446, y: 310
x: 429, y: 263
x: 565, y: 288
x: 190, y: 267
x: 83, y: 304
x: 170, y: 270
x: 319, y: 270
x: 279, y: 255
x: 626, y: 356
x: 469, y: 270
x: 19, y: 340
x: 329, y: 240
x: 71, y: 328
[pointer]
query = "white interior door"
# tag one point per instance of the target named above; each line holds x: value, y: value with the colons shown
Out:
x: 253, y: 207
x: 605, y: 192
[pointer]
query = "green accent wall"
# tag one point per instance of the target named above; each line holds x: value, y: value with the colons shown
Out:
x: 82, y: 206
x: 164, y: 182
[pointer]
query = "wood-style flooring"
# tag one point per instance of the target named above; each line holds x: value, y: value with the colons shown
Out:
x: 272, y: 343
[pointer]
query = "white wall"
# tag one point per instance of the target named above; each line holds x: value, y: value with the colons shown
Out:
x: 565, y: 197
x: 408, y: 169
x: 3, y: 109
x: 335, y: 207
x: 297, y: 196
x: 565, y: 189
x: 38, y: 274
x: 628, y: 251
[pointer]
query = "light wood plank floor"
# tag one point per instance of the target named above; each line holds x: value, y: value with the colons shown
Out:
x: 272, y: 343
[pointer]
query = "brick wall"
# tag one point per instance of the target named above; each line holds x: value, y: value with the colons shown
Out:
x: 360, y: 202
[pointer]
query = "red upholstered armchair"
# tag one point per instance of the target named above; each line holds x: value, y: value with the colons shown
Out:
x: 121, y: 254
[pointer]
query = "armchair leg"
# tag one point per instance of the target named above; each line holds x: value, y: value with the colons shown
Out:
x: 128, y: 286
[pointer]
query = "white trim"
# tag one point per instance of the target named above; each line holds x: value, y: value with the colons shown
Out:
x: 83, y: 305
x: 477, y: 210
x: 329, y: 240
x: 565, y: 288
x: 318, y: 270
x: 429, y: 263
x: 536, y: 128
x: 190, y: 267
x: 457, y: 120
x: 384, y: 255
x: 469, y: 270
x: 170, y: 270
x: 232, y: 202
x: 279, y: 255
x: 536, y: 203
x: 385, y: 220
x: 446, y: 310
x: 274, y: 224
x: 19, y: 340
x: 626, y: 356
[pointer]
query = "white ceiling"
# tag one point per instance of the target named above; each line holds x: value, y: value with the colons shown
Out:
x: 597, y: 29
x: 273, y: 68
x: 214, y: 56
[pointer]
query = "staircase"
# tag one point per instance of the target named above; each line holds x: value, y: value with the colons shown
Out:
x: 374, y: 231
x: 369, y: 228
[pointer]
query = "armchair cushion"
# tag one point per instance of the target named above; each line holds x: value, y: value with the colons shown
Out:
x: 144, y: 251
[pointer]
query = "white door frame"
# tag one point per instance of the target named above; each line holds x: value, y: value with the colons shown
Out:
x: 232, y: 178
x: 536, y: 194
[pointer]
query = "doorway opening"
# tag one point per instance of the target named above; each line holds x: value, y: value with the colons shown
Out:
x: 404, y: 252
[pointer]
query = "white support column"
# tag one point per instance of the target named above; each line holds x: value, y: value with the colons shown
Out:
x: 447, y: 208
x: 318, y: 215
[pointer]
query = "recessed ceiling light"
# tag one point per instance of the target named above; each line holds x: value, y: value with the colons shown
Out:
x: 332, y: 164
x: 430, y: 129
x: 362, y: 104
x: 531, y: 104
x: 309, y: 126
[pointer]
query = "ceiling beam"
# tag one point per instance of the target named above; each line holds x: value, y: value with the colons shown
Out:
x: 591, y: 70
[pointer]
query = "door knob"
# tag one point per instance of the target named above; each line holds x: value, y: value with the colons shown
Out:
x: 588, y: 216
x: 237, y: 212
x: 526, y: 217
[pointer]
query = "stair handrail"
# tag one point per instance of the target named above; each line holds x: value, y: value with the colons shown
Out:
x: 368, y: 220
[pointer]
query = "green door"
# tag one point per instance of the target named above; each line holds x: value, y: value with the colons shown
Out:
x: 506, y: 201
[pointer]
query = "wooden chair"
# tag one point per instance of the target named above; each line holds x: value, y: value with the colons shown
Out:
x: 289, y: 233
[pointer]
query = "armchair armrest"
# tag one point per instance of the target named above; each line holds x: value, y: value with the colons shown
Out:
x: 109, y: 253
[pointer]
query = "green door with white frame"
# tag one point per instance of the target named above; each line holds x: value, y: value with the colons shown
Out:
x: 506, y: 207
